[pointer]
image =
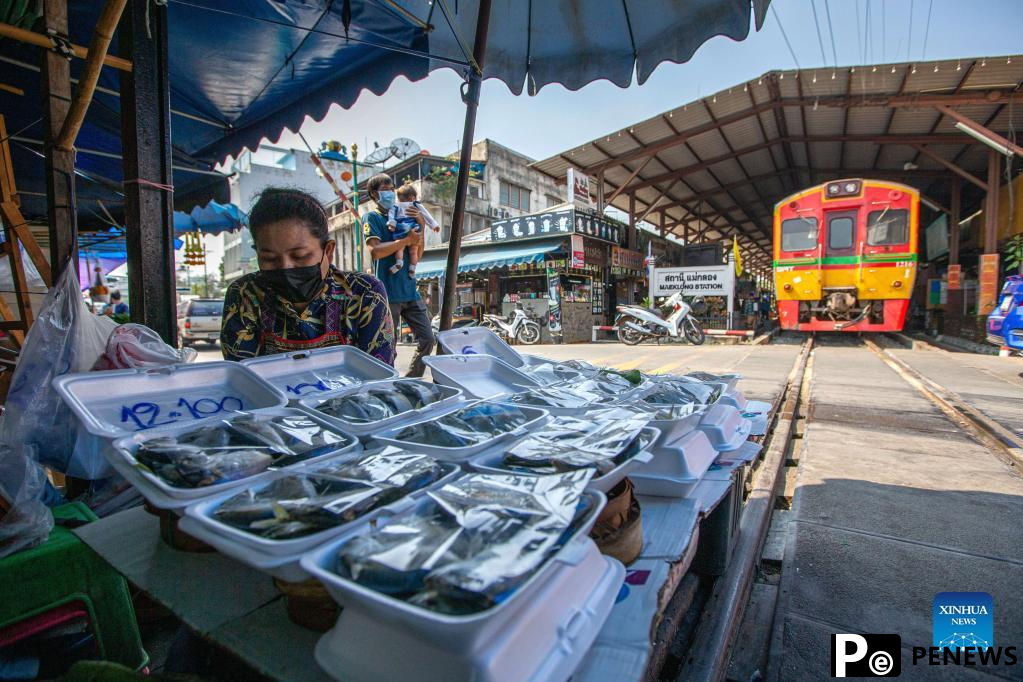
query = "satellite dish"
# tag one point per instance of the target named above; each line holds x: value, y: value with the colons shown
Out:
x: 403, y: 148
x: 379, y: 155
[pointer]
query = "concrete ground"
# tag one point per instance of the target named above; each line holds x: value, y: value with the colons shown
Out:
x: 893, y: 504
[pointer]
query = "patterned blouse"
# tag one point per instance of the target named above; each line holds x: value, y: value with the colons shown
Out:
x: 364, y: 318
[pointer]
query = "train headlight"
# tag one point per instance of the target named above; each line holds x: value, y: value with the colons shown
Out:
x: 850, y: 187
x: 897, y: 284
x: 834, y: 189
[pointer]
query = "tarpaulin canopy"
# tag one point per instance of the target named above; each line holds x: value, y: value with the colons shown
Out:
x: 488, y: 257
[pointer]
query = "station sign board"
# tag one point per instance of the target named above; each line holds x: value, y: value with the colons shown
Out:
x: 714, y: 280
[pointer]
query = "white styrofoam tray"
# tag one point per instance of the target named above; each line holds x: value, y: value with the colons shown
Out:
x: 203, y: 512
x: 453, y: 633
x: 449, y: 397
x: 116, y: 403
x: 478, y: 341
x: 480, y: 376
x: 307, y: 372
x: 165, y: 496
x: 724, y: 425
x: 536, y: 417
x: 547, y: 641
x: 489, y: 462
x: 675, y: 468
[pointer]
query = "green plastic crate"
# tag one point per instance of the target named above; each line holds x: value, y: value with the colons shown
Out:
x: 64, y: 569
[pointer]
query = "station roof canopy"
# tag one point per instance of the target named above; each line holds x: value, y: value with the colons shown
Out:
x: 715, y: 167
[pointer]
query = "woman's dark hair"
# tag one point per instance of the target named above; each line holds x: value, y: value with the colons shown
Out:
x: 376, y: 182
x: 282, y: 203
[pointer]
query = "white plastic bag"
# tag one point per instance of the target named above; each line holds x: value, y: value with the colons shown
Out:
x: 136, y: 345
x: 66, y: 337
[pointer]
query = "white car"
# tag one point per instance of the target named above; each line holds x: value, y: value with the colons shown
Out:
x: 199, y: 320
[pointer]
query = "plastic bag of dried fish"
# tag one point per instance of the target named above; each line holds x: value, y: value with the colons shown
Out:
x: 184, y: 465
x: 376, y: 404
x: 296, y: 437
x: 467, y: 426
x: 477, y: 540
x: 601, y: 441
x: 326, y: 497
x: 680, y: 390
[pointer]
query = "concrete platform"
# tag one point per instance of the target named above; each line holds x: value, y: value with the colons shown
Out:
x: 893, y: 504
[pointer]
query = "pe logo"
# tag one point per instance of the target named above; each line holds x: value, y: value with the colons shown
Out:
x: 866, y: 655
x: 963, y: 620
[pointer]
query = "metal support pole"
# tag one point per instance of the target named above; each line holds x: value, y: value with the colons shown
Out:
x: 60, y: 164
x: 632, y: 220
x: 953, y: 227
x: 471, y: 97
x: 356, y: 226
x: 148, y: 193
x: 601, y: 204
x: 994, y: 167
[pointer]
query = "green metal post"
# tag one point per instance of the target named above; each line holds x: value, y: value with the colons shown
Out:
x: 355, y: 206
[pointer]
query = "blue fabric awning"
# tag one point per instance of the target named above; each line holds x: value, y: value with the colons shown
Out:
x: 488, y: 257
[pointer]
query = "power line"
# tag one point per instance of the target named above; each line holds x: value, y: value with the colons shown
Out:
x: 859, y: 32
x: 927, y: 30
x: 868, y: 47
x: 783, y: 35
x: 909, y: 45
x: 831, y: 31
x: 817, y: 25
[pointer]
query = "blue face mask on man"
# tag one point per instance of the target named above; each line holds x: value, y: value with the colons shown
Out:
x: 386, y: 199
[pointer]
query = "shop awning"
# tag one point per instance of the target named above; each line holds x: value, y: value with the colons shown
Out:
x: 488, y: 257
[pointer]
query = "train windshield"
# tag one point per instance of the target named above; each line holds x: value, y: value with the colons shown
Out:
x: 888, y: 227
x: 799, y: 234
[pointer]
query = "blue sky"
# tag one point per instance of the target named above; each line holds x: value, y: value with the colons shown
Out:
x: 431, y: 113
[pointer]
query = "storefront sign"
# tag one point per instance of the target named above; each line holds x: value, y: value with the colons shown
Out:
x: 599, y: 227
x: 987, y: 297
x: 626, y: 258
x: 596, y: 254
x: 578, y: 252
x: 716, y: 280
x: 578, y: 188
x: 555, y: 222
x: 955, y: 274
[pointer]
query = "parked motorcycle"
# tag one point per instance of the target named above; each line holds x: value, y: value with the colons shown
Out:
x: 636, y: 324
x: 519, y: 327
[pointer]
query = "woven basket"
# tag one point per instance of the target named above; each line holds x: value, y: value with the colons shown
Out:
x: 625, y: 542
x: 174, y: 537
x: 309, y: 604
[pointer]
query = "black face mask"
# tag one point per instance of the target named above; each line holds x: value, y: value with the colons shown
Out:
x: 298, y: 285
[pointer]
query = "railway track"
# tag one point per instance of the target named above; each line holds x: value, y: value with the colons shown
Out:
x: 736, y: 635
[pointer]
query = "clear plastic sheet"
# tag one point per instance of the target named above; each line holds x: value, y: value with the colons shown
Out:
x: 468, y: 426
x: 331, y: 495
x: 602, y: 441
x: 478, y: 540
x: 547, y: 373
x: 237, y: 448
x: 376, y: 404
x: 709, y: 376
x: 578, y: 395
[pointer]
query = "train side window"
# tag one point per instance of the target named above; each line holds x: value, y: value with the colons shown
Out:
x: 799, y: 234
x: 841, y: 233
x: 888, y: 227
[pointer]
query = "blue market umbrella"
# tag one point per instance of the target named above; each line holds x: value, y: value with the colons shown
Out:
x: 214, y: 218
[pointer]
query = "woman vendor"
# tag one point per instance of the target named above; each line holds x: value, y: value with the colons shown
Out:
x: 297, y: 300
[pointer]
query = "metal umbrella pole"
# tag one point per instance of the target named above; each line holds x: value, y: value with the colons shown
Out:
x: 471, y: 97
